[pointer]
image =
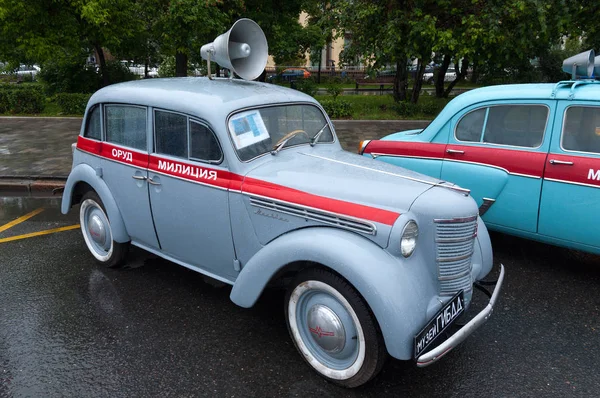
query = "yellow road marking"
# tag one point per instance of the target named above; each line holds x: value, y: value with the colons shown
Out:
x: 46, y: 232
x: 20, y: 219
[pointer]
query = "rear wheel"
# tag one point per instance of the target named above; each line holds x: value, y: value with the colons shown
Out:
x: 97, y: 232
x: 333, y: 328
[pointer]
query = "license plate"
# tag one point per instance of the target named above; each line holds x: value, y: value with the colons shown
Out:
x: 440, y: 322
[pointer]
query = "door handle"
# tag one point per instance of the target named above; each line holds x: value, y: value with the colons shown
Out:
x: 152, y: 182
x: 136, y: 177
x: 454, y: 151
x: 554, y: 161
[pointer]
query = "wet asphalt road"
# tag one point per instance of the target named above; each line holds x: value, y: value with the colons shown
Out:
x: 69, y: 328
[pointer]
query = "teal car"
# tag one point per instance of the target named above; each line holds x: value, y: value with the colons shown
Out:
x: 529, y: 153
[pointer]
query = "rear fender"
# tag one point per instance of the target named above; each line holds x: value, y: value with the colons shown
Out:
x: 389, y: 286
x: 85, y: 173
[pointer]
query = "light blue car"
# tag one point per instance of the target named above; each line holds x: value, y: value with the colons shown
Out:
x: 530, y: 154
x: 246, y: 183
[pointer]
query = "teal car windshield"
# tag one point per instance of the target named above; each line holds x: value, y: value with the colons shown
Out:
x: 257, y: 131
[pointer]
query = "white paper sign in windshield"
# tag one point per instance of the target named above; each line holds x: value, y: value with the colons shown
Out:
x: 247, y: 128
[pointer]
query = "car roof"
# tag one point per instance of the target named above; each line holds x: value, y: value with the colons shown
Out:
x: 529, y: 91
x: 510, y: 92
x: 199, y: 96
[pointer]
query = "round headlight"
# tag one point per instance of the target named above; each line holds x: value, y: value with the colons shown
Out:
x: 409, y: 238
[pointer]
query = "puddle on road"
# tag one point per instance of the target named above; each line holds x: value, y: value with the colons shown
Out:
x: 13, y: 207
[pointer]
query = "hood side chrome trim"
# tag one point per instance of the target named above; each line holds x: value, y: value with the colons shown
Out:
x: 323, y: 216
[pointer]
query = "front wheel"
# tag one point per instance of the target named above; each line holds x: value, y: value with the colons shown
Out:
x: 333, y: 328
x: 97, y: 232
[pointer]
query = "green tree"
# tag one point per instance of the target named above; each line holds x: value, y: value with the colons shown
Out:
x: 37, y: 29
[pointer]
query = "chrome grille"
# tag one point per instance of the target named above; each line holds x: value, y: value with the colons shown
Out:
x: 309, y: 213
x: 454, y: 245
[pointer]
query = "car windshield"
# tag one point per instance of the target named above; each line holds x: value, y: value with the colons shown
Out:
x: 255, y: 132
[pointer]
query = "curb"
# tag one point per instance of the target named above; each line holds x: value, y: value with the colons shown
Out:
x: 32, y: 186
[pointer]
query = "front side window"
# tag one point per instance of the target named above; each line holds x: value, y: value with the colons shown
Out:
x: 581, y: 129
x: 170, y: 130
x: 255, y: 132
x: 204, y: 145
x: 92, y: 127
x: 126, y: 125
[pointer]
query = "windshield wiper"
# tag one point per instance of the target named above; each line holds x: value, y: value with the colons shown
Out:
x: 285, y: 139
x: 316, y: 137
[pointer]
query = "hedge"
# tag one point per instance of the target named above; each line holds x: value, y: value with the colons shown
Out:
x: 21, y: 99
x: 337, y: 108
x: 72, y: 103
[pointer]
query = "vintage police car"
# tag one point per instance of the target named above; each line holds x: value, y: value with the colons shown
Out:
x: 246, y: 183
x: 529, y: 153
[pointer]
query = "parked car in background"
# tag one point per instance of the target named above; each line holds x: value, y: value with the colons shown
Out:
x: 529, y: 153
x: 27, y: 71
x: 290, y: 74
x: 450, y: 75
x: 247, y: 183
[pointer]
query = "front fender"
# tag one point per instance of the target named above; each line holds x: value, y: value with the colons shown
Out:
x: 394, y: 290
x: 483, y: 259
x: 85, y: 173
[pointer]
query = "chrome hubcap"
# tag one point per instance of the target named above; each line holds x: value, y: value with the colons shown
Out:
x: 97, y: 230
x: 326, y: 328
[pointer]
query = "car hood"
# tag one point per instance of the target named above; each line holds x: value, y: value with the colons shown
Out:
x: 330, y: 180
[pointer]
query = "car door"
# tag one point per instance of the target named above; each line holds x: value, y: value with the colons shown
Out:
x: 570, y: 204
x: 188, y: 193
x: 498, y: 151
x: 125, y: 168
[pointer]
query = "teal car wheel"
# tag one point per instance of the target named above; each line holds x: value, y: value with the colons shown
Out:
x: 97, y: 233
x: 333, y: 329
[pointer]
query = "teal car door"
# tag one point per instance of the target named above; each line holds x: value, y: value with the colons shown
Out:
x: 498, y: 151
x: 570, y: 203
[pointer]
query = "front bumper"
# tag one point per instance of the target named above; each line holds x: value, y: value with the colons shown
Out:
x: 438, y: 352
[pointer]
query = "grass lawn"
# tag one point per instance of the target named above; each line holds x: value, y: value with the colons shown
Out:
x: 383, y: 107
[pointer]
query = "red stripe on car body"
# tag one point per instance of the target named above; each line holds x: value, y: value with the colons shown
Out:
x: 584, y: 170
x: 413, y: 149
x: 198, y: 173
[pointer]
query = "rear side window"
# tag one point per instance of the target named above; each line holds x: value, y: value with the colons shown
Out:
x: 513, y: 125
x: 516, y: 125
x: 470, y: 126
x: 170, y: 130
x: 581, y: 129
x: 126, y: 125
x: 92, y: 127
x: 204, y: 145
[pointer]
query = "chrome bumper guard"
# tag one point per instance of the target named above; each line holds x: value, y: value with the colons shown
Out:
x: 438, y: 352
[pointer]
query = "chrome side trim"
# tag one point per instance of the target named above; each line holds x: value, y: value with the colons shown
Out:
x: 376, y: 155
x: 572, y: 182
x: 310, y: 213
x: 433, y: 184
x: 438, y: 352
x: 485, y: 206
